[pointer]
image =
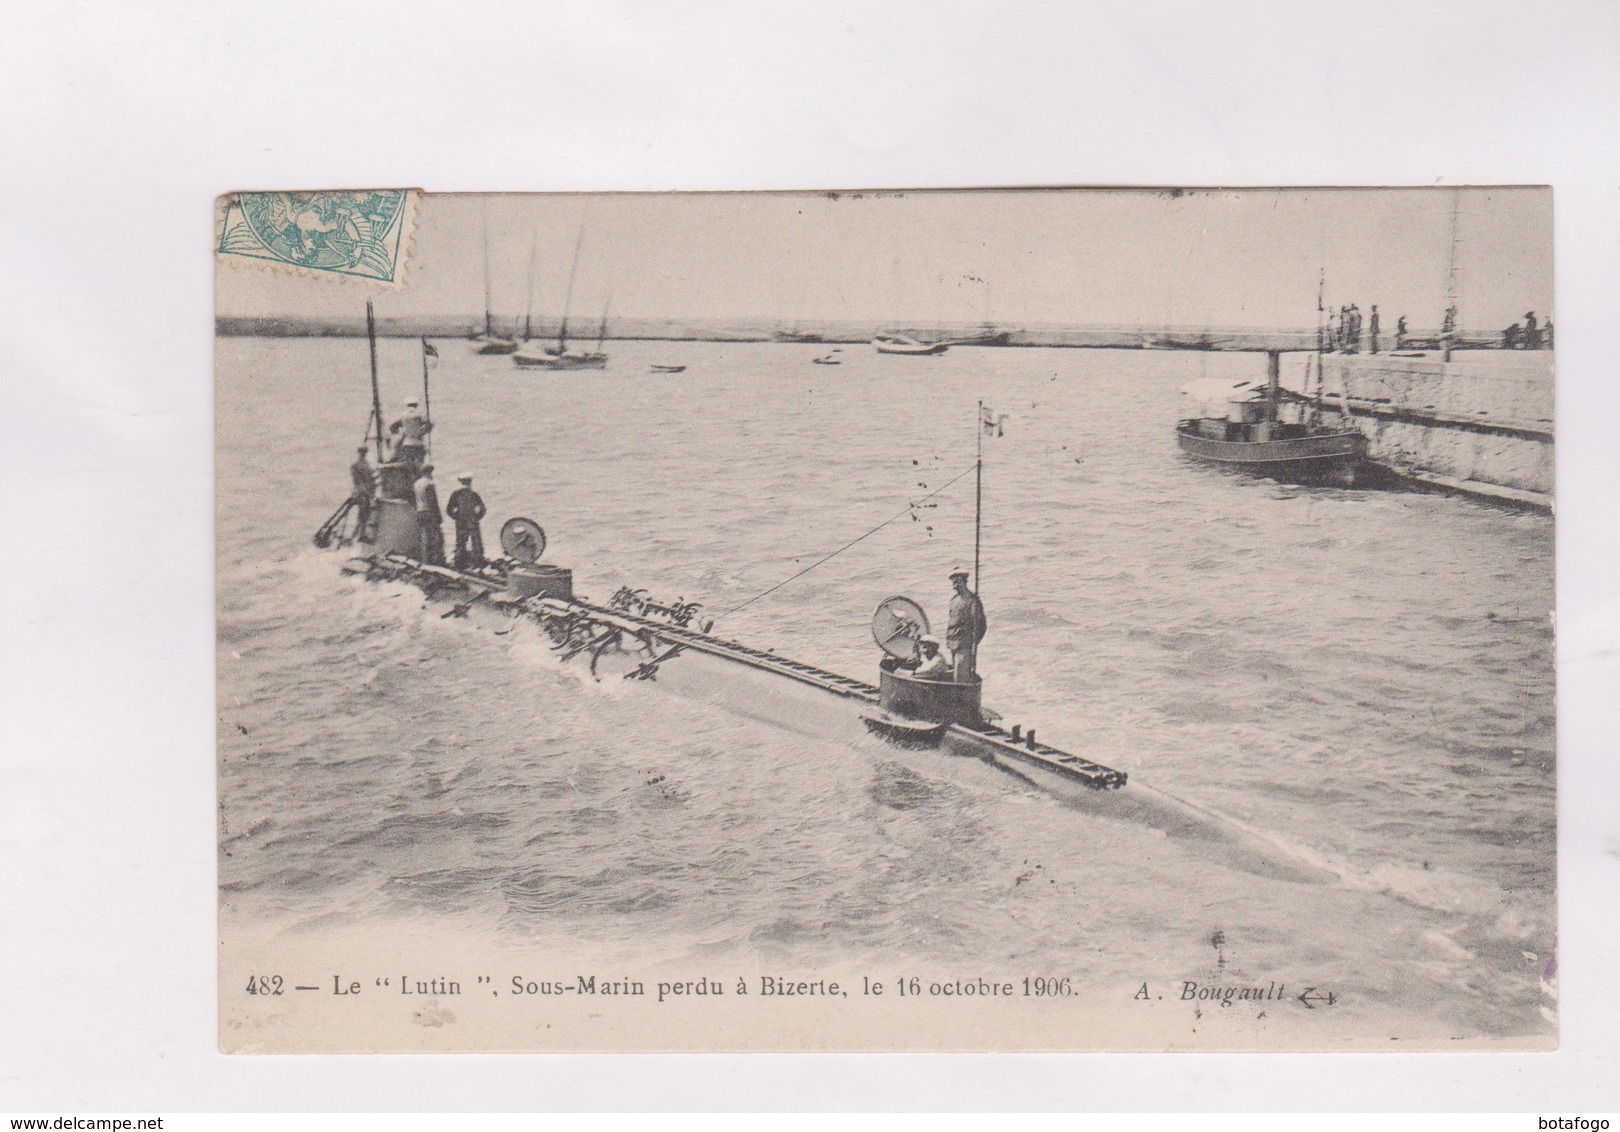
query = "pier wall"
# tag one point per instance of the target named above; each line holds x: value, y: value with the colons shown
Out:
x: 1480, y: 422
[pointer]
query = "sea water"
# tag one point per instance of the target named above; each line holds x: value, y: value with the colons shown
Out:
x: 1364, y: 678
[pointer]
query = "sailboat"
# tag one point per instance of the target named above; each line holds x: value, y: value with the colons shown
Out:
x: 559, y: 356
x: 528, y: 310
x: 987, y: 334
x: 489, y: 342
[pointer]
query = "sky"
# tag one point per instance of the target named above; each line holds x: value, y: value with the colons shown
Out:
x: 1247, y: 257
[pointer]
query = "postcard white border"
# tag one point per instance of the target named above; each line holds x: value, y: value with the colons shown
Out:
x: 143, y: 117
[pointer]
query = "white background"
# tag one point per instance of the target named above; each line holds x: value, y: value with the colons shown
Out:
x: 120, y: 125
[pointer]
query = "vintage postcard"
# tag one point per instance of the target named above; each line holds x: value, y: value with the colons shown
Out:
x: 947, y: 620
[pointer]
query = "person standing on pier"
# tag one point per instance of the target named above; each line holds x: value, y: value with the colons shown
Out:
x: 1532, y: 336
x: 1372, y: 330
x: 363, y: 493
x: 966, y: 628
x: 1546, y: 334
x: 1400, y: 333
x: 429, y: 520
x: 466, y: 509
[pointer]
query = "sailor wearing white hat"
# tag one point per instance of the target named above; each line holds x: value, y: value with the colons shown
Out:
x: 930, y: 663
x: 412, y: 429
x: 966, y: 628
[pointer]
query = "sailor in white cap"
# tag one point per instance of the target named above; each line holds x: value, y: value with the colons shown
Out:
x: 466, y: 507
x: 930, y: 662
x: 966, y: 628
x: 412, y: 429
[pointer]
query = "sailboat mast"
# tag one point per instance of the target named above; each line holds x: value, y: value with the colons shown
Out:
x: 489, y: 319
x: 1450, y: 323
x: 978, y: 494
x: 1273, y: 383
x: 601, y: 331
x: 376, y: 395
x: 568, y: 299
x: 427, y: 401
x: 528, y: 313
x: 1321, y: 328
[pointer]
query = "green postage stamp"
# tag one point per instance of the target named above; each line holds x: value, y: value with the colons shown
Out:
x: 356, y: 233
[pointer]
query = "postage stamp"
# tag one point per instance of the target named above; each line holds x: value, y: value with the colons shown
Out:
x: 359, y: 233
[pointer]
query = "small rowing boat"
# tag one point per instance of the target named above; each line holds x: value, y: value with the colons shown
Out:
x: 904, y: 344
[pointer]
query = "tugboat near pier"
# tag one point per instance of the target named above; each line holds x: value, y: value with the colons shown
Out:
x: 1253, y: 436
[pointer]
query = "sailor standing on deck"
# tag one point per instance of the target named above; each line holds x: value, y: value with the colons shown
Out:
x: 465, y: 509
x: 966, y: 628
x: 412, y: 429
x: 428, y: 518
x: 364, y: 492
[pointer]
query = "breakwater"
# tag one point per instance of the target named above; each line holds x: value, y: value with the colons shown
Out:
x: 1481, y: 423
x: 630, y: 329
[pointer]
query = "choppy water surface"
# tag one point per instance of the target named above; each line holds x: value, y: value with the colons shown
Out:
x: 1364, y: 676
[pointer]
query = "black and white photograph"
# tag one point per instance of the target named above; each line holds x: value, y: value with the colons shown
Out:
x: 1063, y: 619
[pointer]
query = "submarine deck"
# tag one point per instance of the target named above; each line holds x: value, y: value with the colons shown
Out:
x: 985, y: 739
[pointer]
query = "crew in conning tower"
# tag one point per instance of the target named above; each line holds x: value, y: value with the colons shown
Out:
x: 930, y: 664
x: 966, y: 628
x: 412, y: 429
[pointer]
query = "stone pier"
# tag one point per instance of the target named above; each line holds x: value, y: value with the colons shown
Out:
x: 1481, y: 423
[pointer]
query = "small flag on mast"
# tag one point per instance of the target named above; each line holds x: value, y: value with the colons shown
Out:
x: 992, y: 423
x: 428, y: 349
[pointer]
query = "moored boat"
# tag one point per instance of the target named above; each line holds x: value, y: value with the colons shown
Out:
x: 568, y: 359
x: 904, y: 344
x: 487, y: 342
x: 1252, y: 436
x: 1291, y: 452
x: 493, y: 344
x: 559, y: 356
x: 988, y: 338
